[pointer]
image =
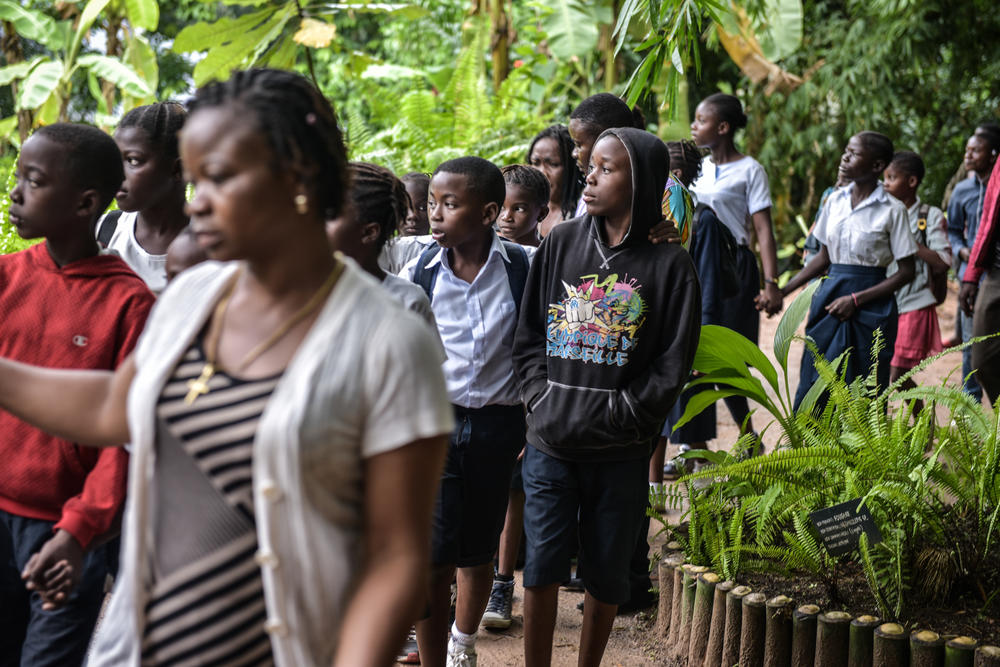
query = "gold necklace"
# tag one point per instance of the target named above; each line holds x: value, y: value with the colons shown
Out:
x: 199, y: 386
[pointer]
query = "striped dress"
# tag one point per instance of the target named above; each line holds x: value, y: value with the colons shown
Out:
x: 206, y: 598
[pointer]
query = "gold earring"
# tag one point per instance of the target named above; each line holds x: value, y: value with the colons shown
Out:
x: 301, y: 203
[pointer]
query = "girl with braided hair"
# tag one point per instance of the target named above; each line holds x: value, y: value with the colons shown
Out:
x: 151, y: 198
x: 285, y: 415
x: 378, y: 204
x: 551, y: 152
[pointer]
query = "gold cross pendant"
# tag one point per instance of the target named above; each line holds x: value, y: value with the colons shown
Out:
x: 200, y: 386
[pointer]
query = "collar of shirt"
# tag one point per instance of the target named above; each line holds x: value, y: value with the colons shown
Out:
x: 496, y: 247
x: 878, y: 195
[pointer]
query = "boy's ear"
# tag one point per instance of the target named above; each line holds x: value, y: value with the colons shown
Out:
x: 491, y: 211
x: 879, y: 166
x: 724, y: 127
x: 88, y: 204
x: 542, y: 212
x: 370, y: 232
x: 912, y: 181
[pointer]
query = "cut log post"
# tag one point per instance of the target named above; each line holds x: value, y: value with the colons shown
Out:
x: 862, y: 641
x: 804, y: 635
x: 833, y: 630
x: 665, y: 570
x: 701, y: 619
x: 778, y: 638
x: 677, y: 590
x: 987, y: 656
x: 689, y: 583
x: 713, y: 655
x: 960, y: 652
x: 926, y: 649
x: 892, y: 648
x: 734, y: 622
x: 753, y: 630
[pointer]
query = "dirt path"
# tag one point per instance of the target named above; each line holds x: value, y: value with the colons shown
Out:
x: 632, y: 641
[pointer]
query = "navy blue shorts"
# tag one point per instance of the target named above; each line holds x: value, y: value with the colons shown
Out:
x: 472, y: 497
x: 607, y: 499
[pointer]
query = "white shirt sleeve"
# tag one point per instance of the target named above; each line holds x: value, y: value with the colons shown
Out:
x: 821, y: 231
x: 405, y: 396
x: 937, y: 234
x: 901, y: 240
x: 758, y: 189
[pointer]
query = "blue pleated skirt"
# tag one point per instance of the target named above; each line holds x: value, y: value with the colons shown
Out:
x: 856, y: 334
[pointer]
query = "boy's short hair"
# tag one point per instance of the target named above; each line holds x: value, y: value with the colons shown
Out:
x: 603, y: 111
x: 420, y: 178
x: 910, y: 164
x: 879, y: 145
x: 989, y: 131
x: 530, y: 179
x: 92, y: 158
x: 483, y: 177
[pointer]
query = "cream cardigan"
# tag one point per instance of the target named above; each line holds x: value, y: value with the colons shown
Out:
x: 365, y: 380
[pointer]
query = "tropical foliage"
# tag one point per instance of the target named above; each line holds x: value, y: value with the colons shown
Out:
x: 747, y: 515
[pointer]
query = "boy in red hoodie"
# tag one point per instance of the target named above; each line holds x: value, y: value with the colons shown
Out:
x: 62, y: 305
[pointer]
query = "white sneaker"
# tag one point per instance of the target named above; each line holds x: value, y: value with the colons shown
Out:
x: 459, y: 655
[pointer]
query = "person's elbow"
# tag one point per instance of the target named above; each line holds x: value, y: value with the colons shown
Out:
x: 907, y: 270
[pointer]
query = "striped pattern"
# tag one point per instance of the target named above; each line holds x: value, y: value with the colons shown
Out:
x: 211, y: 611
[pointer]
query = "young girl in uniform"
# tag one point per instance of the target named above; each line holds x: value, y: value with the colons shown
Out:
x: 151, y: 199
x: 286, y: 415
x: 735, y: 186
x: 861, y: 229
x: 551, y: 152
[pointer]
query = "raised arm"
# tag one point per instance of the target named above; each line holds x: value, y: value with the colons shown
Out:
x: 87, y: 407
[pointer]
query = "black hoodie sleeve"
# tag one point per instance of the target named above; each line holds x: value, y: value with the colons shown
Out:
x: 649, y: 396
x: 530, y: 364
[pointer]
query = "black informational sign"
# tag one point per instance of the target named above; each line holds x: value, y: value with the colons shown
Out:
x: 840, y: 527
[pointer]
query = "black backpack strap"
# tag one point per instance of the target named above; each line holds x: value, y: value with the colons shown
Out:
x: 424, y: 276
x: 107, y: 228
x: 922, y: 214
x: 517, y: 271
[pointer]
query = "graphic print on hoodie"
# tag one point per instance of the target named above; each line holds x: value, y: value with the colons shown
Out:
x: 607, y: 334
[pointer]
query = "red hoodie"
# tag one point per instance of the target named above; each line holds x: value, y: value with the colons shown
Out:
x: 87, y: 314
x: 982, y: 249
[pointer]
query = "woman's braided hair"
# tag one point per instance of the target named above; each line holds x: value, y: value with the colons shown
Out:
x: 161, y: 122
x: 378, y: 196
x: 299, y: 124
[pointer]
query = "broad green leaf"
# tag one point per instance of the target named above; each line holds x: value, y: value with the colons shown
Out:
x: 224, y: 32
x: 790, y: 322
x: 8, y: 126
x: 283, y: 53
x: 139, y: 55
x: 31, y: 24
x: 89, y: 15
x: 16, y: 72
x: 782, y: 33
x: 571, y: 28
x: 750, y: 387
x: 676, y: 60
x: 118, y: 73
x: 221, y: 60
x: 143, y: 14
x: 720, y: 347
x: 700, y: 401
x: 39, y: 85
x: 48, y: 112
x: 95, y: 91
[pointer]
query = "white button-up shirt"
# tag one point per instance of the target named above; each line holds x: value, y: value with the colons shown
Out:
x: 873, y: 233
x: 476, y: 322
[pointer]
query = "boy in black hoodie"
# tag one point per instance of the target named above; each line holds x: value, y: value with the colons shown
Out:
x: 606, y: 339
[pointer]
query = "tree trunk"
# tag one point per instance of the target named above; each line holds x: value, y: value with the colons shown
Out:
x: 499, y: 41
x: 713, y: 656
x: 988, y: 656
x: 832, y: 639
x: 734, y: 622
x: 778, y: 641
x: 960, y: 652
x: 753, y: 627
x: 113, y: 50
x: 804, y: 635
x: 701, y: 619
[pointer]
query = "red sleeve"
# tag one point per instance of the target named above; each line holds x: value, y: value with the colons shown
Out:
x: 986, y: 235
x: 93, y: 511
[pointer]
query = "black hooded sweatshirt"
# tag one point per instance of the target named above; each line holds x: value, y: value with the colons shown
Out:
x: 607, y: 334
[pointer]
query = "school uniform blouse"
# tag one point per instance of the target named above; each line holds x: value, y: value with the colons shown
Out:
x: 364, y: 381
x: 873, y: 233
x: 735, y: 191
